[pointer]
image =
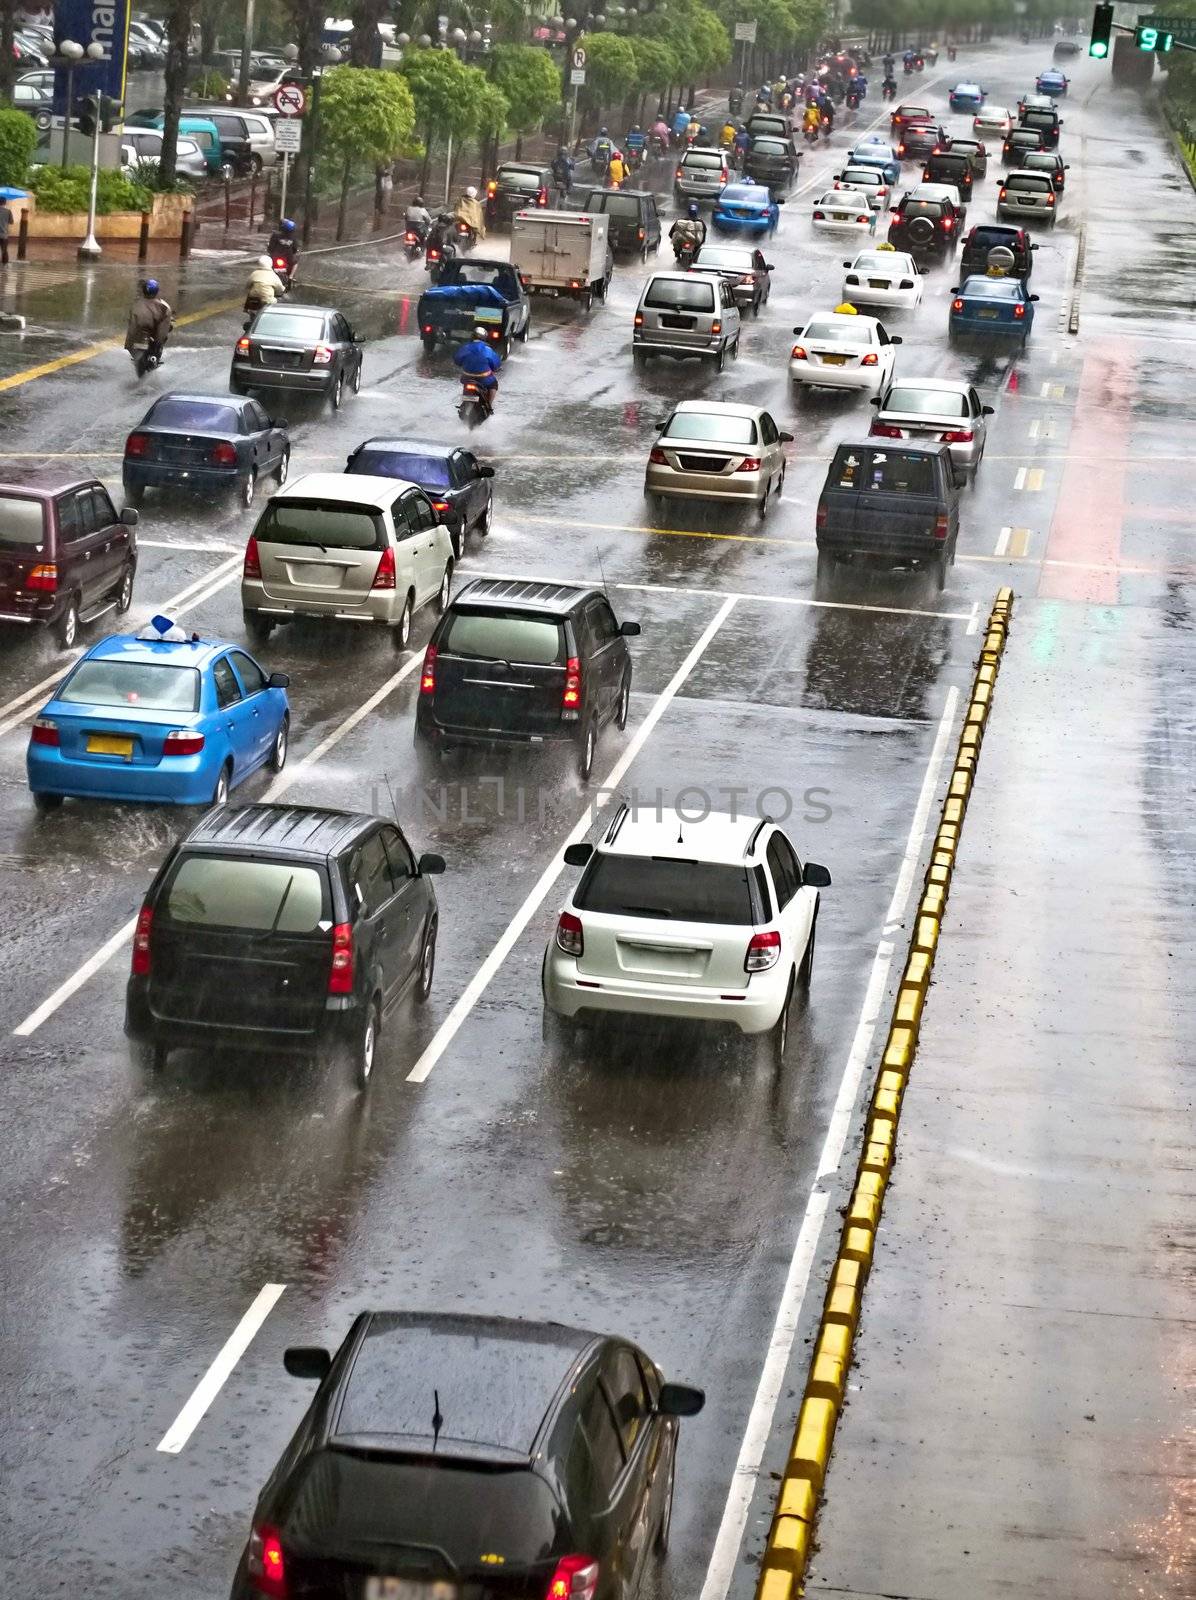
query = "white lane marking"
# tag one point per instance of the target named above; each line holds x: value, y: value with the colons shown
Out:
x: 724, y: 1558
x: 480, y: 981
x: 283, y: 782
x: 973, y: 621
x: 1019, y: 481
x: 188, y: 544
x: 214, y: 1379
x: 1032, y: 430
x: 1002, y: 544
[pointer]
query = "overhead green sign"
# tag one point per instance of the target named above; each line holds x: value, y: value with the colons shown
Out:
x: 1170, y: 29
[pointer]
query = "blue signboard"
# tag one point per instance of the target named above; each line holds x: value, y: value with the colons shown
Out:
x: 104, y: 22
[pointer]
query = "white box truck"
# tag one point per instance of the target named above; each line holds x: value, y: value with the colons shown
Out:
x: 562, y: 253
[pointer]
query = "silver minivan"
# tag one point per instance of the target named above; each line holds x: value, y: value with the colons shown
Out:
x: 702, y: 174
x: 1028, y: 194
x: 352, y: 548
x: 686, y: 314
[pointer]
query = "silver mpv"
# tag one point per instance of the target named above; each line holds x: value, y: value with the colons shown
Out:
x: 702, y: 174
x: 686, y: 314
x: 1028, y: 194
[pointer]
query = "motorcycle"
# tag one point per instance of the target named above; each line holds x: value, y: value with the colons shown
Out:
x: 634, y: 157
x: 826, y: 127
x: 907, y: 67
x: 414, y: 242
x: 437, y: 256
x: 735, y: 103
x: 853, y: 100
x: 284, y: 266
x: 919, y: 63
x: 888, y: 89
x: 951, y: 52
x: 148, y: 356
x: 684, y: 250
x: 476, y: 403
x: 465, y: 234
x: 811, y: 135
x: 660, y: 147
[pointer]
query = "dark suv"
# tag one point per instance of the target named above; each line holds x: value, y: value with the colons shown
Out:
x: 897, y: 504
x: 466, y: 1458
x: 950, y: 166
x: 516, y: 660
x: 920, y: 139
x: 925, y: 227
x: 516, y: 186
x: 1047, y: 123
x: 289, y: 928
x: 66, y: 556
x: 987, y: 236
x: 634, y: 218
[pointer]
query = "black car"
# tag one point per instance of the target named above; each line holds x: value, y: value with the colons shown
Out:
x: 925, y: 227
x: 303, y: 349
x: 518, y: 661
x: 634, y: 216
x: 770, y: 125
x: 516, y: 186
x: 456, y: 482
x: 773, y: 161
x: 282, y: 928
x: 1049, y: 161
x: 1047, y: 123
x: 920, y: 139
x: 1018, y: 142
x: 950, y: 166
x: 894, y: 504
x: 204, y: 441
x: 467, y: 1458
x: 1065, y: 48
x: 989, y: 236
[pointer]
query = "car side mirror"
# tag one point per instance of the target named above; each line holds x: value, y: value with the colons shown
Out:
x: 988, y: 411
x: 895, y: 338
x: 814, y: 876
x: 1067, y: 166
x: 281, y: 422
x: 875, y: 400
x: 680, y: 1400
x: 245, y: 325
x: 1034, y: 247
x: 799, y: 330
x: 307, y: 1361
x: 129, y: 517
x: 847, y: 263
x: 1033, y: 297
x: 578, y: 855
x: 768, y: 266
x: 430, y: 864
x: 631, y: 630
x: 279, y: 680
x: 785, y: 438
x: 954, y: 289
x: 485, y: 472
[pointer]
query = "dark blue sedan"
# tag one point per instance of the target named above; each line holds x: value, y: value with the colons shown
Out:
x: 205, y: 442
x: 992, y: 306
x: 745, y: 208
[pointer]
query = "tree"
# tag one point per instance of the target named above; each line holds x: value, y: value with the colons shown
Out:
x: 529, y: 79
x: 18, y: 140
x: 493, y: 115
x: 365, y: 116
x: 610, y: 68
x: 365, y: 42
x: 8, y: 66
x: 178, y: 38
x: 444, y: 108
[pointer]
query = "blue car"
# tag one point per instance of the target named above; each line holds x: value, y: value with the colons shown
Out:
x: 992, y: 306
x: 158, y: 716
x: 1051, y: 82
x: 966, y: 97
x: 876, y: 153
x: 745, y: 208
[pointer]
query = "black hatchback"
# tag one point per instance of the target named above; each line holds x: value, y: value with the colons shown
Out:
x: 457, y: 484
x: 519, y: 661
x: 284, y: 928
x: 454, y: 1457
x: 634, y: 214
x: 950, y: 166
x: 516, y: 186
x: 773, y: 160
x: 302, y: 349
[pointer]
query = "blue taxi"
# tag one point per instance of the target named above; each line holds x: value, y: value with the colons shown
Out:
x: 991, y: 306
x: 1051, y: 81
x: 160, y: 716
x: 966, y: 97
x: 745, y: 208
x: 879, y: 153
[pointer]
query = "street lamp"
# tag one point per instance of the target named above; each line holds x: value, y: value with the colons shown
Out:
x: 68, y: 55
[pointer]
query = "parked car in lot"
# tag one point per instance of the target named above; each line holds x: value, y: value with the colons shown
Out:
x: 206, y: 442
x: 935, y: 411
x: 302, y: 349
x: 66, y: 556
x: 564, y: 1488
x: 458, y: 485
x: 248, y: 135
x: 719, y: 451
x: 892, y: 504
x: 686, y: 314
x: 145, y: 144
x: 347, y: 548
x: 282, y: 928
x: 518, y: 661
x: 160, y: 716
x: 713, y: 920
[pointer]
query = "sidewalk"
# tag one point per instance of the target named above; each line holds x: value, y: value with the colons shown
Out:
x: 1021, y: 1420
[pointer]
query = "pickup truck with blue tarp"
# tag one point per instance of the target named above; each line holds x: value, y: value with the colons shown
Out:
x: 474, y: 294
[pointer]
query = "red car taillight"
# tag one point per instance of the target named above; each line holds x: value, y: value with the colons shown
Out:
x: 749, y: 464
x: 679, y: 173
x: 571, y: 698
x: 948, y: 224
x: 322, y: 356
x: 820, y: 517
x: 141, y: 942
x: 571, y: 940
x: 266, y: 1562
x: 940, y: 527
x: 883, y: 430
x: 43, y: 579
x: 183, y: 742
x: 252, y: 567
x: 1019, y: 311
x: 861, y: 219
x: 492, y: 189
x: 384, y: 578
x: 575, y: 1578
x: 957, y: 305
x: 639, y: 321
x: 798, y: 353
x: 763, y: 951
x: 870, y: 360
x: 658, y: 458
x: 340, y: 973
x: 716, y: 327
x: 224, y: 454
x: 427, y: 678
x: 137, y: 444
x: 820, y: 216
x: 958, y: 436
x: 44, y: 731
x: 243, y: 345
x: 1050, y: 199
x: 542, y: 198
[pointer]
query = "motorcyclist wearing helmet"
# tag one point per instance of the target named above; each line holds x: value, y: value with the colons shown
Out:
x: 417, y: 217
x: 601, y: 149
x: 284, y: 245
x: 811, y: 117
x: 479, y: 361
x: 636, y: 141
x: 562, y: 168
x: 150, y: 322
x: 616, y: 170
x: 264, y: 286
x: 689, y: 226
x: 469, y: 210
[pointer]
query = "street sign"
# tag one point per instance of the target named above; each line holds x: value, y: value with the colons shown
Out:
x: 290, y: 100
x: 1182, y: 28
x: 579, y: 58
x: 578, y: 77
x: 745, y: 33
x: 288, y: 136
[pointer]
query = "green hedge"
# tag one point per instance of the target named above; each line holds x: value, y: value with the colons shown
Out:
x: 18, y: 140
x: 57, y: 190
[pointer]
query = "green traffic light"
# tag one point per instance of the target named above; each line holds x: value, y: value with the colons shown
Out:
x: 1098, y: 48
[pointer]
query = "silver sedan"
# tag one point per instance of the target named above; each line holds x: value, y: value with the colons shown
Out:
x: 713, y: 450
x: 935, y: 411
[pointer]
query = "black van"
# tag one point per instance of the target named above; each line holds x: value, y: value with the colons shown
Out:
x: 1047, y: 123
x: 634, y: 217
x: 896, y: 504
x: 525, y: 662
x: 290, y: 928
x: 948, y: 166
x: 989, y: 236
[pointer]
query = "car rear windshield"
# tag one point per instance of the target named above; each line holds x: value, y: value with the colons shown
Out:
x: 1031, y: 182
x: 504, y: 636
x: 1038, y: 119
x: 702, y: 158
x: 886, y: 263
x: 286, y: 325
x: 1040, y: 161
x: 676, y: 294
x: 729, y: 260
x: 202, y: 414
x: 430, y: 472
x: 922, y: 208
x: 143, y: 685
x: 321, y: 523
x: 770, y: 147
x: 253, y: 896
x: 1030, y: 138
x: 519, y: 177
x: 618, y: 205
x: 712, y: 427
x: 846, y: 332
x: 22, y: 521
x: 869, y: 176
x: 672, y: 891
x: 926, y: 402
x: 891, y: 471
x: 958, y: 163
x: 992, y: 289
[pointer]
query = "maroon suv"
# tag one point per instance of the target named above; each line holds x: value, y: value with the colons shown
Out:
x: 66, y: 555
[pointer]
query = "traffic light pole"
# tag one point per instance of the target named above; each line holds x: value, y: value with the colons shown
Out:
x: 90, y: 250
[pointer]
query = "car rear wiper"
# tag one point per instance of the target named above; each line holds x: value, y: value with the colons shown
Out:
x: 646, y: 911
x: 273, y: 928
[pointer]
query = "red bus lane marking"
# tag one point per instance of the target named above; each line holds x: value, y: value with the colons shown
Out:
x: 1086, y: 528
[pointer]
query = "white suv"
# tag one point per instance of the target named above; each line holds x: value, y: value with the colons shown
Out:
x: 712, y: 920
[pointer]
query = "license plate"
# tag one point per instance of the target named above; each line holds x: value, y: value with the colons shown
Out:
x: 409, y: 1589
x: 878, y: 283
x: 840, y: 216
x: 989, y: 315
x: 551, y: 293
x: 104, y: 744
x: 833, y: 361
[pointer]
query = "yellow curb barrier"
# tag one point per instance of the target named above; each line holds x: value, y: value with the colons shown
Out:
x: 791, y: 1535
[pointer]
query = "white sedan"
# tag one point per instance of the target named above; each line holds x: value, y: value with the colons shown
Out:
x: 992, y: 119
x: 844, y: 211
x: 884, y: 277
x: 842, y: 350
x: 869, y: 179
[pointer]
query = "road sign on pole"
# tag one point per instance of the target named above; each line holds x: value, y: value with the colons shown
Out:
x: 1181, y: 28
x: 578, y: 77
x: 288, y: 136
x: 579, y: 57
x: 290, y: 100
x: 745, y: 32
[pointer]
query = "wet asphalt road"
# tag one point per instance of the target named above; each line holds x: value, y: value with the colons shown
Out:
x: 650, y: 1184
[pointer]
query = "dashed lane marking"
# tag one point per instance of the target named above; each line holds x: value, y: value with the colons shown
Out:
x: 214, y: 1379
x: 1029, y: 478
x: 89, y: 352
